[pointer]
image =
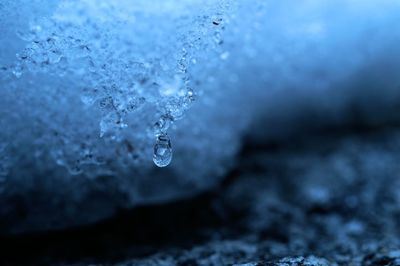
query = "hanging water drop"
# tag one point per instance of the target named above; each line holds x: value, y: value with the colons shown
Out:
x: 162, y: 155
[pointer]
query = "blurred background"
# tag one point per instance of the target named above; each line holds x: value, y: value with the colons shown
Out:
x: 188, y: 132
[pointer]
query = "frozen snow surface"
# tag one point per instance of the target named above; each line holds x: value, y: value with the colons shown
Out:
x: 95, y: 94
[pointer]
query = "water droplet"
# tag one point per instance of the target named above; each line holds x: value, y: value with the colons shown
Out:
x: 162, y: 151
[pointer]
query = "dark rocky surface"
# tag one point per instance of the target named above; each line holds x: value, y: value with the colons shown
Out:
x: 309, y: 201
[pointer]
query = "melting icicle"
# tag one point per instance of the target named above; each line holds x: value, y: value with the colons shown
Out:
x: 162, y: 125
x: 162, y: 155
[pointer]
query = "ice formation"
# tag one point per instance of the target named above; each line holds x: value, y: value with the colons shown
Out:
x: 129, y: 63
x: 91, y: 91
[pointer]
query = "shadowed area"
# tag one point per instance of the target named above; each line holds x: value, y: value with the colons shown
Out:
x: 323, y: 196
